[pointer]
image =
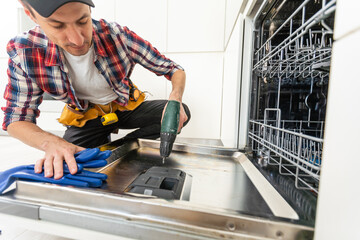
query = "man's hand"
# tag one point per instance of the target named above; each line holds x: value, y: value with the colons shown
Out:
x: 56, y: 149
x: 56, y: 152
x: 183, y: 117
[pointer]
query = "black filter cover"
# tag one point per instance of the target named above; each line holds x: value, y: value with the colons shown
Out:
x: 161, y: 182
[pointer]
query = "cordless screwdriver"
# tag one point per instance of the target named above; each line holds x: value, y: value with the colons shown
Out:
x: 169, y: 128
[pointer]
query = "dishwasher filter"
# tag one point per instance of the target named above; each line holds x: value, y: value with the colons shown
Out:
x: 162, y: 182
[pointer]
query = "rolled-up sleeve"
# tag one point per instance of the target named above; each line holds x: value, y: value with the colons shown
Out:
x: 22, y: 95
x: 142, y: 52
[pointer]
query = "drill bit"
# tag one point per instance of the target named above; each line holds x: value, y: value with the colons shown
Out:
x: 163, y: 160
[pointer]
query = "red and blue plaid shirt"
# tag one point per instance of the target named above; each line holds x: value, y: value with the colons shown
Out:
x: 36, y: 65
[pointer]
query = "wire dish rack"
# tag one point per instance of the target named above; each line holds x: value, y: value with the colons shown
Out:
x: 294, y: 146
x: 295, y: 47
x: 305, y: 51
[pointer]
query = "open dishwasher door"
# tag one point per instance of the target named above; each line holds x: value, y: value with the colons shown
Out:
x: 227, y: 197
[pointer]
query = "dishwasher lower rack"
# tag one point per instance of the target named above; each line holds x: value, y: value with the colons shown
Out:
x: 295, y: 150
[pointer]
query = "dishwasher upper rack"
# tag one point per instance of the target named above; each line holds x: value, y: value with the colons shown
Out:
x: 304, y: 52
x: 297, y: 151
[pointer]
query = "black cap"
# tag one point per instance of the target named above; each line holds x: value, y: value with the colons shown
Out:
x: 47, y: 7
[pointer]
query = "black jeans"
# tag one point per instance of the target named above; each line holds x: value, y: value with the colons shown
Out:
x: 146, y: 119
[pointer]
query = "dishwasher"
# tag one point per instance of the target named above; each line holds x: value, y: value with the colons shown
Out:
x: 290, y: 77
x: 268, y: 190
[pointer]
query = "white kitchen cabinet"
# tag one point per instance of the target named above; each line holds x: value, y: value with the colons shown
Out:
x: 9, y: 27
x: 231, y: 87
x: 232, y: 13
x: 196, y: 26
x: 146, y: 18
x: 4, y: 78
x: 48, y: 121
x: 202, y: 93
x: 104, y: 9
x: 346, y: 18
x: 154, y: 86
x: 339, y: 195
x: 3, y: 81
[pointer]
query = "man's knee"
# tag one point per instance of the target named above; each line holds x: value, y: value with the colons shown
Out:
x: 85, y: 137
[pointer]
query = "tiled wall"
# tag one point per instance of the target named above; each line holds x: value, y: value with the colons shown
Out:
x: 193, y: 33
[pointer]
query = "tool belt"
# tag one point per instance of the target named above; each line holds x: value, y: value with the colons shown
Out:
x: 71, y: 116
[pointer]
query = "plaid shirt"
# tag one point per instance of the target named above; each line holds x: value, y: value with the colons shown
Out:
x: 36, y: 65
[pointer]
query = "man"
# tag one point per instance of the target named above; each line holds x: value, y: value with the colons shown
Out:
x: 86, y: 64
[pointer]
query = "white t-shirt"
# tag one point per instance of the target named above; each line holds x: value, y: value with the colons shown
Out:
x: 88, y: 83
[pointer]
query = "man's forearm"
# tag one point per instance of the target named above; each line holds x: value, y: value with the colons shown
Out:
x: 178, y: 85
x: 30, y: 134
x: 56, y: 149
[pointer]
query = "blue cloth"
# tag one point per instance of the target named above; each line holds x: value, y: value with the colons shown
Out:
x: 88, y: 158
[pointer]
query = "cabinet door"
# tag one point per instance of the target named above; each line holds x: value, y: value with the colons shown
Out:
x: 232, y: 13
x: 48, y: 122
x: 339, y: 179
x: 231, y: 88
x: 146, y: 18
x: 195, y: 26
x: 154, y: 86
x: 139, y: 16
x: 104, y: 9
x: 346, y: 17
x: 3, y: 82
x: 202, y: 93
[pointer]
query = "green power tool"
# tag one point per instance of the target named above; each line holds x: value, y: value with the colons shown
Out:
x: 169, y: 127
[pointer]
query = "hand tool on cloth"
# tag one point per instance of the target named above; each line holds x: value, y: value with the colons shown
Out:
x: 169, y: 128
x: 88, y: 158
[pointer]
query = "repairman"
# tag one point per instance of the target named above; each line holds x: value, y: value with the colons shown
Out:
x: 87, y: 64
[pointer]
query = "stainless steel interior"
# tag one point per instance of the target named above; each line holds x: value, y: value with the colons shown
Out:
x: 228, y: 198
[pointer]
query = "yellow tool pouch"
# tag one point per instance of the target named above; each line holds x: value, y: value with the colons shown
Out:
x: 71, y: 116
